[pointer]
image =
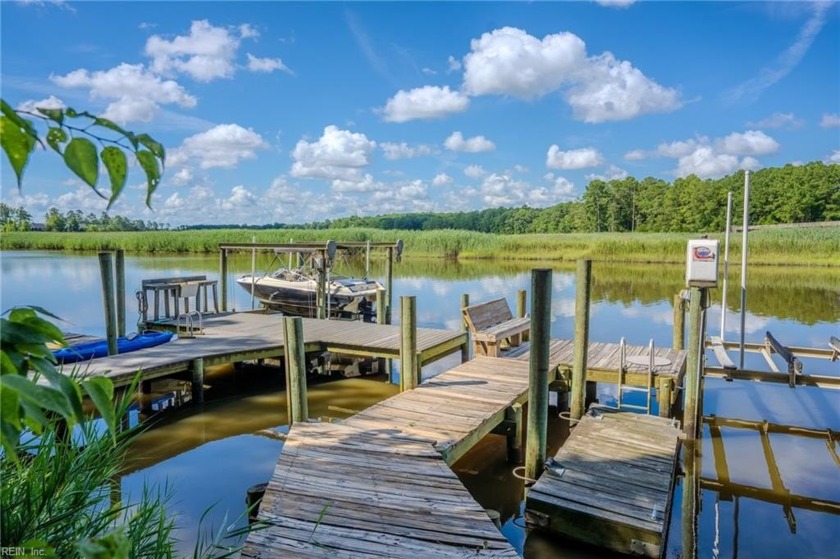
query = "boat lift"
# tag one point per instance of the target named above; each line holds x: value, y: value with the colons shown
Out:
x: 323, y: 254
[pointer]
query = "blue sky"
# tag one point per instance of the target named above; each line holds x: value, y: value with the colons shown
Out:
x: 293, y: 112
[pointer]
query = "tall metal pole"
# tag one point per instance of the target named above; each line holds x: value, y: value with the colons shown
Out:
x: 535, y: 449
x: 725, y: 266
x: 744, y: 251
x: 389, y: 284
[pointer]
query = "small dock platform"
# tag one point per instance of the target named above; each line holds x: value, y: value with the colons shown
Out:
x: 341, y: 491
x: 611, y: 483
x: 379, y: 484
x: 243, y: 336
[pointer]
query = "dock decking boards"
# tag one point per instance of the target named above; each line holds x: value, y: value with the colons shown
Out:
x: 612, y: 484
x: 229, y: 337
x: 341, y: 491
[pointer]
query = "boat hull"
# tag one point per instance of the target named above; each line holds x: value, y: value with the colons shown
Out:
x: 99, y: 348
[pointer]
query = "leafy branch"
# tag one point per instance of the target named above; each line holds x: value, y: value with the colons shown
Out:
x: 19, y: 137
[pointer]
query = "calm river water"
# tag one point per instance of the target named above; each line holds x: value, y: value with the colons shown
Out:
x: 209, y: 456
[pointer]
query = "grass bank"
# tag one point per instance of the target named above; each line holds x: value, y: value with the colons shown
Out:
x: 803, y: 246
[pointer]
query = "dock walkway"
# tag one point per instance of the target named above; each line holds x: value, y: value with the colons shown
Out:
x: 232, y: 337
x: 379, y: 484
x: 611, y: 483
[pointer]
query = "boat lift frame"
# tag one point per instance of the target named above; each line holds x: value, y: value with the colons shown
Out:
x: 325, y: 252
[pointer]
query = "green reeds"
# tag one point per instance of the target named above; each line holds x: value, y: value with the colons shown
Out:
x: 799, y: 246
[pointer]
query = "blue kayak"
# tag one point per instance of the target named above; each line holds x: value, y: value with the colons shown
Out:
x: 99, y: 348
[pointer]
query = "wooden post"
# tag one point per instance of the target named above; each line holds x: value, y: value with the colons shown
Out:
x: 197, y: 366
x: 582, y: 295
x: 663, y: 396
x: 298, y: 408
x: 689, y: 501
x: 384, y: 364
x: 389, y: 283
x: 106, y: 270
x: 535, y: 449
x: 465, y: 349
x: 522, y: 310
x: 120, y: 265
x: 409, y: 364
x: 514, y: 437
x: 223, y: 268
x: 321, y: 296
x: 694, y: 361
x: 679, y: 322
x: 367, y: 259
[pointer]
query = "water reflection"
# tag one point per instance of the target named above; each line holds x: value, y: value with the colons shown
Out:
x: 210, y: 455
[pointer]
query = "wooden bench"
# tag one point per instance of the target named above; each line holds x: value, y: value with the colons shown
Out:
x: 491, y: 323
x: 178, y: 288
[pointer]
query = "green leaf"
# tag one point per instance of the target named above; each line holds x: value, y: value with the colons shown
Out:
x: 20, y: 122
x: 16, y: 144
x: 53, y: 114
x: 117, y: 166
x: 109, y: 124
x: 44, y: 397
x: 149, y: 164
x: 9, y: 407
x: 71, y: 390
x: 11, y: 362
x: 80, y: 156
x: 155, y: 147
x: 56, y: 136
x: 101, y: 392
x: 20, y: 333
x: 71, y: 112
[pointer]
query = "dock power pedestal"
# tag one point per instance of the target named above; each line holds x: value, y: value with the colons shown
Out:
x: 701, y: 268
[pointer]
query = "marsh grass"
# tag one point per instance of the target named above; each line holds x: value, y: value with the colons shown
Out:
x: 806, y: 246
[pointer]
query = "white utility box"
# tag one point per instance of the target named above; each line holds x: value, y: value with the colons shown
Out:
x: 701, y: 268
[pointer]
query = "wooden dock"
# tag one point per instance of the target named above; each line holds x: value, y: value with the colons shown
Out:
x: 379, y: 484
x: 611, y: 483
x: 340, y: 491
x: 234, y: 337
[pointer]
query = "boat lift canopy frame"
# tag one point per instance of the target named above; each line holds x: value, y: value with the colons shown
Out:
x: 327, y: 250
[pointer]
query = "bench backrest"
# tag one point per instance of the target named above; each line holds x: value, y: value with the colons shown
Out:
x: 486, y: 315
x: 181, y: 279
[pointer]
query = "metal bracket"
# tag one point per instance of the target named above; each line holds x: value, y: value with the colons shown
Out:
x: 536, y: 519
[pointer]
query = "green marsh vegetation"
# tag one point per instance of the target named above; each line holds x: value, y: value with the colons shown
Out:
x: 814, y: 246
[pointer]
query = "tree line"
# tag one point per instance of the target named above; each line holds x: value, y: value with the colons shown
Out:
x: 789, y: 194
x: 18, y: 219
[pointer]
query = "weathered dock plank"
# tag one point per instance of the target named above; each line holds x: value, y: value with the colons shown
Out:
x: 342, y: 491
x: 611, y: 483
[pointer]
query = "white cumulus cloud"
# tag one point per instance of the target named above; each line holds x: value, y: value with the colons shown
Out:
x: 454, y: 64
x: 751, y: 142
x: 266, y: 65
x: 612, y: 173
x: 834, y: 157
x: 402, y: 150
x: 426, y: 102
x: 224, y: 146
x: 573, y: 159
x: 635, y: 155
x: 474, y: 171
x: 51, y: 102
x: 830, y: 120
x: 713, y: 158
x: 509, y: 61
x: 442, y: 179
x: 207, y: 53
x: 138, y: 92
x: 476, y: 144
x: 337, y: 155
x: 777, y: 120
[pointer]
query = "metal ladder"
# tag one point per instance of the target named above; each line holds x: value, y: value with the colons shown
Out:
x: 189, y: 330
x: 622, y: 369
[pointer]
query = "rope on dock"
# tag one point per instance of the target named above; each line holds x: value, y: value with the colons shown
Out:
x: 567, y: 416
x: 522, y: 475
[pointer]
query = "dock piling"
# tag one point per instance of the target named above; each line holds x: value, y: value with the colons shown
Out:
x: 522, y: 310
x: 465, y: 349
x: 694, y: 360
x: 679, y: 322
x: 197, y: 386
x: 296, y: 399
x: 582, y: 296
x: 535, y: 449
x: 223, y: 268
x: 409, y: 364
x: 120, y: 267
x: 514, y: 437
x: 106, y: 271
x: 389, y: 283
